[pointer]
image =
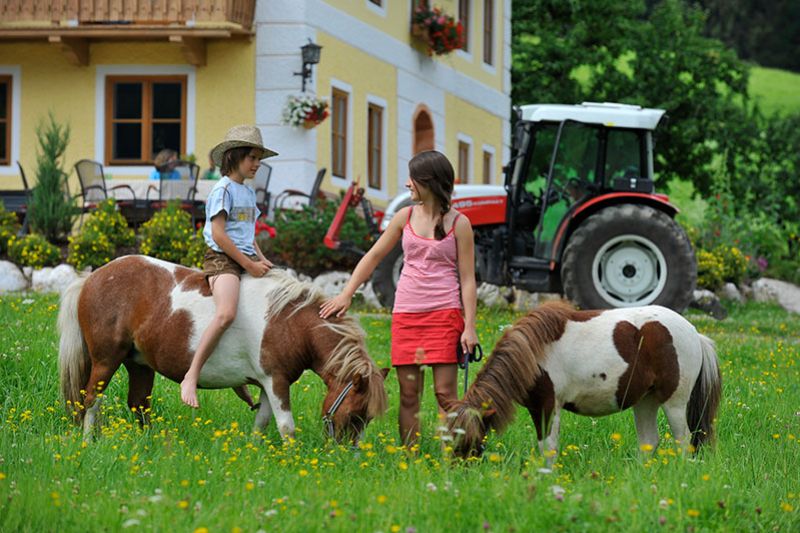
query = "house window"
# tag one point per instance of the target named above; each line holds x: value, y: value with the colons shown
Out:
x: 463, y: 162
x: 378, y: 3
x: 487, y: 167
x: 339, y: 133
x: 375, y: 146
x: 5, y: 120
x: 463, y: 17
x: 488, y: 32
x: 144, y: 115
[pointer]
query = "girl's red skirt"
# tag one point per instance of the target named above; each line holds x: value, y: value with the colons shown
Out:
x: 426, y: 338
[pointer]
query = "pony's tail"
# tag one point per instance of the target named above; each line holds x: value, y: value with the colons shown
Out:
x: 704, y: 401
x: 74, y: 364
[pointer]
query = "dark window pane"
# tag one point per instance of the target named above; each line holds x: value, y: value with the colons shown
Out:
x: 128, y: 100
x: 3, y: 138
x: 3, y: 99
x: 166, y: 136
x: 167, y: 100
x: 127, y: 141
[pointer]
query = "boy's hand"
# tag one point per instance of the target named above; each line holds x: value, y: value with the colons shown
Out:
x: 337, y: 306
x: 258, y: 268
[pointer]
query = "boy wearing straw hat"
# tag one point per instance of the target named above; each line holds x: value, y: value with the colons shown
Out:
x: 229, y: 232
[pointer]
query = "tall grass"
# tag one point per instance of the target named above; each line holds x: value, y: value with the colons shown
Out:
x: 202, y: 469
x: 775, y: 91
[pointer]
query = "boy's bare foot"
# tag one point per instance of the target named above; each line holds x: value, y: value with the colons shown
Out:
x: 189, y: 392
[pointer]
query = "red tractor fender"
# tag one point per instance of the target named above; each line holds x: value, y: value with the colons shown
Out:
x: 570, y: 222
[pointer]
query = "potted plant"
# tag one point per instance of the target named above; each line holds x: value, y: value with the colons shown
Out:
x: 305, y: 110
x: 437, y: 29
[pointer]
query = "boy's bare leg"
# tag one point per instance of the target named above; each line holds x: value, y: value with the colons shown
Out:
x: 225, y: 290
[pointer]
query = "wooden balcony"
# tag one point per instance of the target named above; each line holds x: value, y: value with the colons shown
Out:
x: 73, y: 24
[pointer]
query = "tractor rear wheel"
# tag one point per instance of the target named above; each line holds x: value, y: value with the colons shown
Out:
x: 629, y: 255
x: 384, y: 279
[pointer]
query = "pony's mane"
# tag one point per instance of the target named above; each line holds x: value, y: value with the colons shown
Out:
x: 349, y: 357
x: 513, y: 367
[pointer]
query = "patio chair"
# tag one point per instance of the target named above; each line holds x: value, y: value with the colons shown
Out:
x: 20, y: 202
x: 261, y: 187
x: 312, y: 195
x: 183, y: 189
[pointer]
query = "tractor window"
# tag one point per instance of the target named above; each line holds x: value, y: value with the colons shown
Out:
x: 540, y: 159
x: 624, y: 156
x: 574, y: 170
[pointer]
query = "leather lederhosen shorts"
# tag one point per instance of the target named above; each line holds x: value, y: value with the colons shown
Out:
x: 216, y: 263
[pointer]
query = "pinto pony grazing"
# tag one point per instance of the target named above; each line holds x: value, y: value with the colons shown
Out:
x: 148, y: 315
x: 594, y: 363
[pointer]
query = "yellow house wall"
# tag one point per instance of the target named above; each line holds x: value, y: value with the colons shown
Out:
x: 481, y: 127
x: 396, y: 23
x: 225, y: 93
x: 367, y: 76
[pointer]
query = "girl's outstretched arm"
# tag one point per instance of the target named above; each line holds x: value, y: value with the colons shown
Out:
x: 366, y: 266
x: 465, y: 240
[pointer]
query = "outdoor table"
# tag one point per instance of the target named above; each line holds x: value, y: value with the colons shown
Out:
x: 140, y: 186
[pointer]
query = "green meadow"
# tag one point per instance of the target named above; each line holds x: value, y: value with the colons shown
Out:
x: 204, y: 471
x: 775, y: 91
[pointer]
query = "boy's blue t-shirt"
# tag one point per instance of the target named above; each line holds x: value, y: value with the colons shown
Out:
x: 239, y: 202
x: 171, y: 175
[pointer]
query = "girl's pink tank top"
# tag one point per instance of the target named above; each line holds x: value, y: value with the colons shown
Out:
x: 429, y: 279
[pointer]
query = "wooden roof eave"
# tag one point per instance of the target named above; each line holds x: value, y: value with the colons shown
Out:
x: 74, y: 41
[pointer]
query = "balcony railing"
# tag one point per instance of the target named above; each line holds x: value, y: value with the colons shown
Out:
x: 144, y: 12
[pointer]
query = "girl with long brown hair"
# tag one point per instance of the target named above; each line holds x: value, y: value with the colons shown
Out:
x: 435, y: 302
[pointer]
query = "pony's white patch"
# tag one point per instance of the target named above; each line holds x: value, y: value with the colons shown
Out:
x: 590, y: 383
x: 237, y: 355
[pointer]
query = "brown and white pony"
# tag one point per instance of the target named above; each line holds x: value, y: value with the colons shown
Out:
x: 594, y: 363
x: 149, y: 315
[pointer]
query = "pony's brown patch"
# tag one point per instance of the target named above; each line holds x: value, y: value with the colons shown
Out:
x: 652, y: 362
x: 192, y: 280
x: 541, y: 402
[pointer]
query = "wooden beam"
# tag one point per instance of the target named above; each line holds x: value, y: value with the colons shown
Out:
x: 76, y: 49
x: 193, y: 48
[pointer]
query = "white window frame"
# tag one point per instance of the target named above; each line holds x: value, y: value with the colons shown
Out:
x: 466, y: 139
x: 337, y: 180
x: 104, y: 71
x: 383, y: 192
x: 378, y: 10
x: 16, y: 95
x: 489, y: 149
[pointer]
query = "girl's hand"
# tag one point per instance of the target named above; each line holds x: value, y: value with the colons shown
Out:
x: 338, y: 306
x: 469, y: 339
x: 257, y: 268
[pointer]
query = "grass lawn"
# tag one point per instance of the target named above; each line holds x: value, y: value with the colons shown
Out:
x: 776, y: 91
x: 203, y: 469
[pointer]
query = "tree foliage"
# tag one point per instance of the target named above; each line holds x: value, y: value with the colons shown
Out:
x: 52, y: 212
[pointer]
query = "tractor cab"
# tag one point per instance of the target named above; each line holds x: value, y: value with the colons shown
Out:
x: 564, y: 156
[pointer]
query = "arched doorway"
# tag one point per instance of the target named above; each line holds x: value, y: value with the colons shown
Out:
x: 423, y: 130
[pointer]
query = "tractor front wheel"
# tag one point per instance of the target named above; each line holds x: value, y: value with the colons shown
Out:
x: 384, y: 279
x: 629, y: 255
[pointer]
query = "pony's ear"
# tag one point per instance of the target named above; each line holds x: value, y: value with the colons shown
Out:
x: 385, y: 372
x: 359, y: 383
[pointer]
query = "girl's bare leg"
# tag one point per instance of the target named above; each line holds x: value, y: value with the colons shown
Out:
x: 445, y: 385
x: 225, y: 289
x: 410, y: 379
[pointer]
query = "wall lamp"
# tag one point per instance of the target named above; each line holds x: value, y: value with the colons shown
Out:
x: 311, y: 53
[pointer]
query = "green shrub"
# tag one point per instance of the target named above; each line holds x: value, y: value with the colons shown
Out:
x: 9, y: 226
x: 51, y: 211
x: 298, y: 241
x: 108, y: 220
x: 195, y: 251
x: 168, y: 235
x: 710, y: 270
x: 91, y: 247
x: 734, y: 263
x: 33, y: 250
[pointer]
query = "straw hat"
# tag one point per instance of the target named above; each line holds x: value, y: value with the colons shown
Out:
x: 239, y: 136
